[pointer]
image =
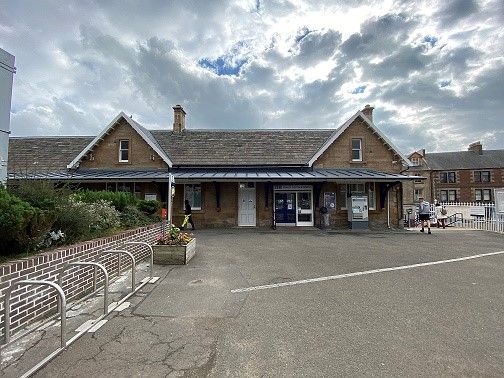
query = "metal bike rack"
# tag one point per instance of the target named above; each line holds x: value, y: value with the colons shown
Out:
x: 61, y: 306
x: 151, y: 254
x: 133, y: 263
x: 95, y: 274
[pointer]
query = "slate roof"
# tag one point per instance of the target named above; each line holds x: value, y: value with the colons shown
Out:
x: 254, y: 147
x: 42, y: 154
x: 465, y: 160
x: 223, y: 174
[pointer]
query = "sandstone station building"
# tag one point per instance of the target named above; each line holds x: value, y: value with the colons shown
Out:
x: 351, y: 176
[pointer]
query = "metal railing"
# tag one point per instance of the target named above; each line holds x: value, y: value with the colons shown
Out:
x: 96, y: 266
x: 120, y: 252
x: 61, y: 306
x: 151, y: 254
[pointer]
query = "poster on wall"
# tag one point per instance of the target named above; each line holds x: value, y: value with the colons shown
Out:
x: 330, y: 200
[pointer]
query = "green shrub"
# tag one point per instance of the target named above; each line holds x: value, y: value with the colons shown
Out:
x: 23, y: 226
x: 103, y: 215
x: 74, y: 220
x: 119, y: 199
x: 41, y: 194
x: 149, y: 207
x: 133, y: 217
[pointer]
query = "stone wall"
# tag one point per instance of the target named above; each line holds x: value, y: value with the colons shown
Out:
x: 30, y: 303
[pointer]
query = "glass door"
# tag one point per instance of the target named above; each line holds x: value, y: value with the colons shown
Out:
x: 285, y: 209
x: 304, y: 209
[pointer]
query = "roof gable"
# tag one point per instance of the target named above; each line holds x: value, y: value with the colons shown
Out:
x: 144, y: 134
x: 336, y: 134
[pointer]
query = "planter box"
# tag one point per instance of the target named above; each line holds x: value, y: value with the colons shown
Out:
x: 174, y: 254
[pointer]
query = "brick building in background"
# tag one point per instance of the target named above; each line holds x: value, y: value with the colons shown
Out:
x: 461, y: 176
x: 232, y: 177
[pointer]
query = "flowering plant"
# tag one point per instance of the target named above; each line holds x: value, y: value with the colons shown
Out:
x: 174, y: 237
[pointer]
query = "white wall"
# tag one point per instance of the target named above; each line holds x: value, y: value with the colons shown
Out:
x: 7, y: 71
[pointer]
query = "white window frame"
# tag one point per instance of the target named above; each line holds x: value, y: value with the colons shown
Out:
x: 415, y: 161
x: 484, y: 194
x: 372, y: 195
x: 450, y: 192
x: 357, y: 149
x: 121, y: 149
x: 418, y: 194
x: 191, y: 202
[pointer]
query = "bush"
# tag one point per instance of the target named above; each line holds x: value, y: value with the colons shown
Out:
x: 74, y: 220
x: 119, y: 199
x: 103, y: 216
x: 149, y: 207
x: 41, y: 194
x: 23, y: 226
x: 133, y: 217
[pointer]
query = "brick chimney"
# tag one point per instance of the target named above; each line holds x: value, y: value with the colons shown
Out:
x: 476, y: 147
x: 368, y: 112
x: 178, y: 119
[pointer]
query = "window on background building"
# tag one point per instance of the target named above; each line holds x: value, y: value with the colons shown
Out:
x: 418, y: 194
x: 123, y: 151
x: 371, y: 196
x: 448, y: 195
x: 356, y: 149
x: 447, y: 177
x: 481, y: 176
x: 415, y: 161
x: 452, y: 195
x: 192, y: 193
x: 483, y: 195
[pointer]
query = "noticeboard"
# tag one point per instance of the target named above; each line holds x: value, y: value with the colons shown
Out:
x: 499, y: 200
x: 330, y: 200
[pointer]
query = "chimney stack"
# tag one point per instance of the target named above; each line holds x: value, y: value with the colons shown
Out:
x: 368, y: 112
x: 178, y: 119
x: 476, y: 147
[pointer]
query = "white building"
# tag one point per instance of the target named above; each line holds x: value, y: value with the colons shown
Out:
x: 7, y: 70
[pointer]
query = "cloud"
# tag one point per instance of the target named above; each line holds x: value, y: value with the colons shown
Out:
x: 433, y: 71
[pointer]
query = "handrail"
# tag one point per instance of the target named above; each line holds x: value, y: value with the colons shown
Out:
x: 61, y: 306
x: 133, y: 263
x: 151, y: 254
x: 95, y: 265
x: 451, y: 220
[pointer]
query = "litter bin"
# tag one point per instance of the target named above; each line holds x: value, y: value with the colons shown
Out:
x: 324, y: 217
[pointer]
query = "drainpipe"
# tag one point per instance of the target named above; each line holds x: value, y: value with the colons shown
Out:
x: 388, y: 208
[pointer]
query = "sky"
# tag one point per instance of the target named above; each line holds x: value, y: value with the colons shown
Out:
x: 433, y: 70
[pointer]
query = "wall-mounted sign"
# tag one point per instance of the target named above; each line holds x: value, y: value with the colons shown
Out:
x: 292, y: 187
x: 499, y: 200
x: 150, y: 196
x: 330, y: 200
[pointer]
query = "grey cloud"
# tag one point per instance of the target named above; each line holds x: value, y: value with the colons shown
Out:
x: 378, y: 36
x: 399, y: 65
x: 317, y: 46
x: 455, y: 10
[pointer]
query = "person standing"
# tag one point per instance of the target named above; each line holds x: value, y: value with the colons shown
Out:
x: 441, y: 215
x: 424, y: 214
x: 188, y: 214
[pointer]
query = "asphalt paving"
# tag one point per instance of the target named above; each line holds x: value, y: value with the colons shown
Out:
x: 429, y: 320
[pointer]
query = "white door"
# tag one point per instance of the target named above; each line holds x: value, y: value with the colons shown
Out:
x: 246, y: 207
x: 304, y: 213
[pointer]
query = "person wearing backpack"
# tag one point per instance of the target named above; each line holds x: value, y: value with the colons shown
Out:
x: 424, y: 214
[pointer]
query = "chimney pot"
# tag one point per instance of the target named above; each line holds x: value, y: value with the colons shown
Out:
x: 476, y: 147
x: 178, y: 118
x: 368, y: 112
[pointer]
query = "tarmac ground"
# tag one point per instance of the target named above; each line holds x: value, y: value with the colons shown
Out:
x: 261, y: 303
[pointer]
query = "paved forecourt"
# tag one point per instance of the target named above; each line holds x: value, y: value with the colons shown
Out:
x: 309, y: 303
